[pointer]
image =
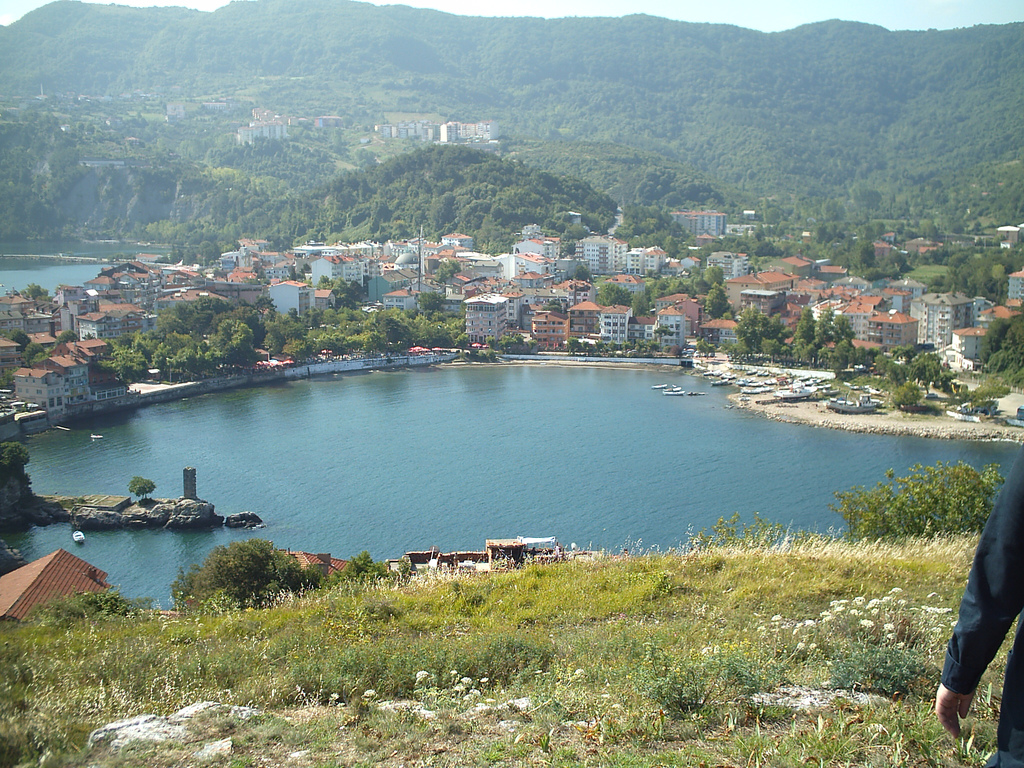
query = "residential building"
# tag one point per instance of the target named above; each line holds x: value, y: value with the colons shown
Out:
x: 640, y: 261
x: 601, y: 252
x: 486, y: 317
x: 965, y: 352
x: 891, y: 329
x: 719, y: 331
x: 403, y: 298
x: 614, y: 323
x: 701, y: 222
x: 10, y: 355
x: 109, y: 323
x: 731, y: 264
x: 550, y: 330
x: 672, y: 326
x: 1016, y: 286
x: 939, y: 314
x: 58, y: 574
x: 42, y: 386
x: 334, y: 266
x: 642, y: 329
x: 764, y: 281
x: 457, y: 240
x: 585, y: 320
x: 291, y: 294
x: 74, y: 372
x: 631, y: 283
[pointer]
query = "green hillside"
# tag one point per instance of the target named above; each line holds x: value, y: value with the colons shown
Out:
x: 812, y: 110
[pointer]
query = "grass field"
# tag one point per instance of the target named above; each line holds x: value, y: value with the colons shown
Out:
x: 809, y: 652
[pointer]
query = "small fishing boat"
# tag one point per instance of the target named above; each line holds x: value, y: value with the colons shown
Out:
x: 659, y: 386
x: 96, y: 437
x: 78, y: 537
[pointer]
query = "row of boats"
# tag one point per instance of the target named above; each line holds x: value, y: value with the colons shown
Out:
x: 676, y: 391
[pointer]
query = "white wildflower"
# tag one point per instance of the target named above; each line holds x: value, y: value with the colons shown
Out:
x: 867, y: 623
x: 369, y: 694
x: 889, y: 627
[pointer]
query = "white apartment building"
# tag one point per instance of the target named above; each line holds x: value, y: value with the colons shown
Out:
x: 1016, y: 286
x: 939, y: 314
x: 291, y: 294
x: 701, y: 222
x: 614, y: 323
x: 731, y: 264
x: 601, y: 253
x: 640, y: 261
x: 348, y: 268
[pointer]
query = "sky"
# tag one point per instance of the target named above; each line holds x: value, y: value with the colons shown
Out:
x: 766, y: 16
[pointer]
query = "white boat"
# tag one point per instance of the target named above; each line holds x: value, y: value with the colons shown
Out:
x: 96, y: 437
x: 674, y: 392
x: 842, y: 405
x: 659, y: 386
x: 794, y: 393
x: 78, y: 537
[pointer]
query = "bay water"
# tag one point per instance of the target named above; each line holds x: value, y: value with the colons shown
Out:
x: 394, y: 461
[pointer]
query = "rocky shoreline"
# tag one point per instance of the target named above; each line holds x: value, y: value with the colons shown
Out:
x: 888, y: 422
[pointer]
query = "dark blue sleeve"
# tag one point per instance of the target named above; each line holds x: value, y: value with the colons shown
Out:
x: 995, y: 588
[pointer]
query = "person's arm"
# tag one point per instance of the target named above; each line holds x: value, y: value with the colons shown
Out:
x: 995, y: 591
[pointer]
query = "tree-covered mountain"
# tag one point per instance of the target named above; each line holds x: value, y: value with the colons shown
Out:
x: 813, y: 110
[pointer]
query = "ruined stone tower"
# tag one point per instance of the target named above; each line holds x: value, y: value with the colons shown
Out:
x: 190, y: 483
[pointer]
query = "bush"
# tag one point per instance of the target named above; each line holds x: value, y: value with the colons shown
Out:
x: 85, y: 605
x: 930, y: 501
x: 886, y: 670
x: 242, y: 574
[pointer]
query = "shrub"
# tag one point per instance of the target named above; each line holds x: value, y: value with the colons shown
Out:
x: 886, y: 670
x: 930, y: 501
x: 247, y: 573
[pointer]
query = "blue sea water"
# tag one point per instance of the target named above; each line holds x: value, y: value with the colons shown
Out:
x: 397, y: 461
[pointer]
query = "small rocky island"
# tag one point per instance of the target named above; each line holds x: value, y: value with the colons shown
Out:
x: 21, y: 509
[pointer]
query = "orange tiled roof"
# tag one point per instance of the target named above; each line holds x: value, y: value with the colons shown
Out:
x: 55, y: 575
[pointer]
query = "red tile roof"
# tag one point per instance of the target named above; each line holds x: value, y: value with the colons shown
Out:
x: 55, y: 575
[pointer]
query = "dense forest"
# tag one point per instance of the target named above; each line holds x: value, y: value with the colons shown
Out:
x: 814, y: 110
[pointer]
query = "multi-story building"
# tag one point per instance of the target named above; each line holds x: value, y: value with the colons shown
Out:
x: 486, y: 317
x: 41, y: 386
x: 719, y: 331
x: 291, y: 294
x: 640, y: 261
x: 585, y: 319
x: 763, y: 281
x: 891, y: 329
x: 1016, y: 286
x: 109, y: 323
x: 939, y: 314
x: 701, y: 222
x: 731, y: 264
x: 348, y: 268
x: 965, y: 352
x: 550, y: 330
x: 672, y: 326
x: 614, y: 323
x: 601, y: 253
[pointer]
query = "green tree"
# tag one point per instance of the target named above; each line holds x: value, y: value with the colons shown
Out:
x: 430, y: 301
x: 362, y: 568
x: 141, y: 487
x: 906, y: 395
x: 36, y: 292
x: 242, y: 574
x: 946, y: 498
x: 446, y: 270
x: 611, y: 294
x: 717, y: 303
x: 129, y: 364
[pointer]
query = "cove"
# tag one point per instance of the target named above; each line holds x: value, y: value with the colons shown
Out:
x: 450, y: 456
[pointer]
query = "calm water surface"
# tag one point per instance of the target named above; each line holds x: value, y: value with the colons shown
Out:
x: 389, y: 462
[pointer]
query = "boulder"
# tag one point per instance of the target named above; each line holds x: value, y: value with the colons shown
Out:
x: 10, y: 559
x: 193, y: 513
x: 96, y: 519
x: 244, y: 520
x: 146, y: 515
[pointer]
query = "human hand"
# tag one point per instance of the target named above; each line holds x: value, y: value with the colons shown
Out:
x: 950, y: 707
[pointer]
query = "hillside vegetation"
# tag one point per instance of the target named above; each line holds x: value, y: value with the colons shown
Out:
x: 813, y: 110
x: 660, y: 659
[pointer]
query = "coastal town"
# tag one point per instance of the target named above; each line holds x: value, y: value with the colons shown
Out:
x: 540, y: 297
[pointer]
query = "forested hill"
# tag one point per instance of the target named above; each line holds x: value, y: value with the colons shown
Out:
x: 814, y: 109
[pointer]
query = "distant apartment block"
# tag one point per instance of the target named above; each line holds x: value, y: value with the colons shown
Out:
x: 731, y: 264
x: 601, y: 253
x: 701, y: 222
x: 452, y: 132
x: 272, y: 129
x: 1016, y: 286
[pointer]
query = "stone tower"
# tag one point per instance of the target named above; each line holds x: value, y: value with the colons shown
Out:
x: 190, y: 483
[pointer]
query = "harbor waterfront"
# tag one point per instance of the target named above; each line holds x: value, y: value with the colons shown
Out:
x: 449, y: 456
